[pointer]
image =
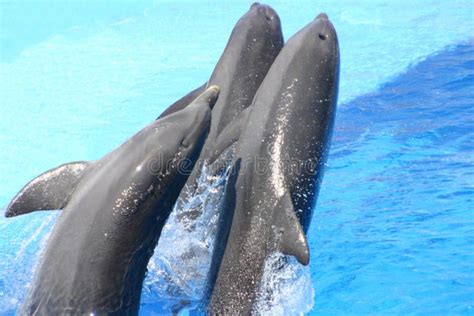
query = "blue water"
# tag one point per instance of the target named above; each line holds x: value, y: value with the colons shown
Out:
x: 393, y: 232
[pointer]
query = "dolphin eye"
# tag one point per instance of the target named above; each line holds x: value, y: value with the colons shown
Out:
x: 322, y: 36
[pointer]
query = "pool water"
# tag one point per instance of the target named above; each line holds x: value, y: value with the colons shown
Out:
x: 393, y: 231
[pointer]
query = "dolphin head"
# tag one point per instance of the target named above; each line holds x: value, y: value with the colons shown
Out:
x: 179, y: 137
x: 325, y: 37
x: 257, y: 35
x: 320, y: 44
x: 262, y: 18
x: 321, y: 38
x: 160, y: 159
x: 309, y: 63
x: 255, y: 42
x: 195, y: 120
x: 259, y: 26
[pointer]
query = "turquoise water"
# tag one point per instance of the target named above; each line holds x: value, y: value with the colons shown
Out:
x: 393, y: 231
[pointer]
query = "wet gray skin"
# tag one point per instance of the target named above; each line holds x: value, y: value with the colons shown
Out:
x: 253, y: 45
x: 278, y: 167
x: 113, y: 212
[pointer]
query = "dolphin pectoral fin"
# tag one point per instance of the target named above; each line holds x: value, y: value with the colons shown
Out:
x: 49, y: 191
x: 229, y: 135
x: 292, y: 240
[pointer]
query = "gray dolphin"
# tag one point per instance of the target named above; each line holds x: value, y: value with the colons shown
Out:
x: 278, y: 166
x: 253, y: 45
x: 113, y: 212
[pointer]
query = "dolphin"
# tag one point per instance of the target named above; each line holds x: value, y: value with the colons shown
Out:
x: 253, y: 45
x: 277, y: 167
x: 113, y: 212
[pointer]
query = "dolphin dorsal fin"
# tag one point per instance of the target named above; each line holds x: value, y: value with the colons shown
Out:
x: 229, y: 135
x: 49, y: 191
x: 291, y: 240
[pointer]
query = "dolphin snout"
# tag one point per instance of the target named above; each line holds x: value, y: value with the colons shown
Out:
x: 214, y: 94
x: 322, y: 16
x: 264, y: 10
x: 324, y: 25
x: 270, y: 14
x: 201, y: 108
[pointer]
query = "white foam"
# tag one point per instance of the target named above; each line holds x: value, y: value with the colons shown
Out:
x: 286, y: 288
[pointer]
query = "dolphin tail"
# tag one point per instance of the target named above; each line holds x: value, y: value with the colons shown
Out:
x: 49, y: 191
x: 291, y: 240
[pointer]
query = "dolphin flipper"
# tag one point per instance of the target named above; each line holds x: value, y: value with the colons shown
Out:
x: 49, y: 191
x: 291, y: 240
x: 229, y: 135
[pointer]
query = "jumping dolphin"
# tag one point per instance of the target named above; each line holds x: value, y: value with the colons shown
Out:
x: 253, y: 45
x: 278, y: 166
x: 113, y: 212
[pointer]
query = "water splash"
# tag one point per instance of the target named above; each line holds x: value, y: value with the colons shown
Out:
x: 177, y: 273
x: 28, y: 249
x: 178, y: 270
x: 286, y: 287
